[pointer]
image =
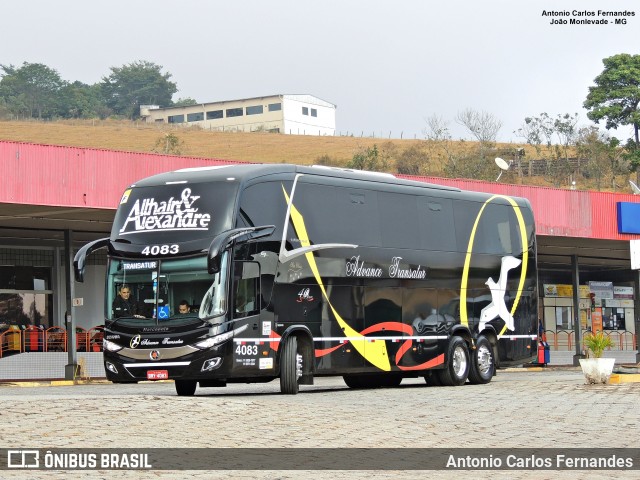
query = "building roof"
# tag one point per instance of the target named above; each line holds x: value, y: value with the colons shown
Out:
x: 306, y: 98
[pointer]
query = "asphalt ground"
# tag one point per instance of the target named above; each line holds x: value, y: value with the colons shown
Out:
x: 520, y: 408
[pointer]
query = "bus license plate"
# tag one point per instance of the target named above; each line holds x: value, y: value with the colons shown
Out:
x: 157, y: 374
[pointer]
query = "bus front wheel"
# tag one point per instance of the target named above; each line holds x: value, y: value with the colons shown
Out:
x: 456, y: 371
x: 290, y: 366
x: 185, y: 388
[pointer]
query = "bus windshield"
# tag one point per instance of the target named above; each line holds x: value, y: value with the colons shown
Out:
x: 171, y: 292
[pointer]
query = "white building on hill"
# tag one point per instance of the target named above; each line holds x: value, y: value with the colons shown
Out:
x: 290, y: 114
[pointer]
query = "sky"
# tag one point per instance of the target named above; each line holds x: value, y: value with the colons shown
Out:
x: 387, y: 65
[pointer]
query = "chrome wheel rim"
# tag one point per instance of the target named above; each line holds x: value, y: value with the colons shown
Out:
x: 485, y: 362
x: 459, y: 362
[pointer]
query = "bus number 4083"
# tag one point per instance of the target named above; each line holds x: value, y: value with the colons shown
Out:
x: 246, y: 350
x: 160, y: 250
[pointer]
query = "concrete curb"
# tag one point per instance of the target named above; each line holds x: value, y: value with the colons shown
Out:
x: 68, y: 383
x: 52, y: 383
x: 618, y: 378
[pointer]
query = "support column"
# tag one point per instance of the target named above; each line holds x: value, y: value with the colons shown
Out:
x: 636, y: 311
x: 70, y: 321
x: 575, y: 277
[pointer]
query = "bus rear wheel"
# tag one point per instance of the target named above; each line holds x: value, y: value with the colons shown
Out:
x: 482, y: 363
x: 457, y: 369
x: 290, y: 366
x: 185, y: 388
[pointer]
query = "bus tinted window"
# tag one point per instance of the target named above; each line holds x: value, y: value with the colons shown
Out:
x: 399, y: 220
x: 437, y: 229
x: 339, y: 214
x: 494, y: 232
x: 264, y: 204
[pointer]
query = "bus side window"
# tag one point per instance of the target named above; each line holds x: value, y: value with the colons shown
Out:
x: 246, y: 288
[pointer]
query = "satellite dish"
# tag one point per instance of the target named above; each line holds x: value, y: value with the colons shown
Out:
x: 634, y: 187
x: 502, y: 164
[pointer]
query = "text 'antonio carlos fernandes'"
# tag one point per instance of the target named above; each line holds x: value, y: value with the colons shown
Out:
x: 535, y: 462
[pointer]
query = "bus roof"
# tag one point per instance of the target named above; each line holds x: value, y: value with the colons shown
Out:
x: 243, y: 173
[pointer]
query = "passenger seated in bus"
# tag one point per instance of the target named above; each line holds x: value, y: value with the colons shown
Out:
x: 184, y: 307
x: 124, y: 305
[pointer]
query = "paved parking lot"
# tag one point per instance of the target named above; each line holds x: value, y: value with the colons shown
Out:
x: 517, y: 409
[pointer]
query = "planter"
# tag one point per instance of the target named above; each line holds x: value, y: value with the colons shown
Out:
x: 597, y: 370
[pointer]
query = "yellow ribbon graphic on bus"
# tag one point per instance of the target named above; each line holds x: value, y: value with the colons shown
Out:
x: 464, y: 319
x: 373, y: 352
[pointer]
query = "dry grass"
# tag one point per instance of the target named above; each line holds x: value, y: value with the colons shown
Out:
x: 255, y: 147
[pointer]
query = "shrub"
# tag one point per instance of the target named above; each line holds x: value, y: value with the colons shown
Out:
x: 597, y: 343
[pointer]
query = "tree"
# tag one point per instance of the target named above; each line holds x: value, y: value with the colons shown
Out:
x: 369, y: 159
x: 135, y: 84
x: 564, y: 127
x: 31, y: 90
x: 482, y: 125
x: 440, y: 145
x: 616, y: 94
x: 592, y: 146
x: 79, y: 100
x: 169, y: 144
x: 557, y: 135
x: 536, y: 130
x: 184, y: 102
x: 413, y: 161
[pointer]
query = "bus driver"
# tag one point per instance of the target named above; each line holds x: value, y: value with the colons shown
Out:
x: 124, y: 305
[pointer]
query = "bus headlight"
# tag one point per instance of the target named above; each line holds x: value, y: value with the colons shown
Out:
x: 218, y: 339
x: 112, y: 347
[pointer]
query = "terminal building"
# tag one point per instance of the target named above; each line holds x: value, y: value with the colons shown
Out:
x: 289, y: 114
x: 55, y: 199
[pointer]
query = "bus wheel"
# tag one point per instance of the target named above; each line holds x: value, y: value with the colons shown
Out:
x: 185, y: 388
x: 482, y: 364
x: 290, y: 366
x: 457, y: 369
x: 353, y: 381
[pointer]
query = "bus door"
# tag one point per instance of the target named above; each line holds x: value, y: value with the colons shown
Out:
x: 335, y: 349
x: 252, y: 350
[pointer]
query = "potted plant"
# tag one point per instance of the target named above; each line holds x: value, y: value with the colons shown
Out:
x: 595, y: 368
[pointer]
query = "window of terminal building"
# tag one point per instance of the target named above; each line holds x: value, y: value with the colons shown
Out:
x: 275, y: 107
x: 314, y: 112
x: 214, y: 114
x: 195, y: 117
x: 175, y: 119
x: 26, y: 295
x: 255, y: 110
x: 305, y: 110
x: 25, y: 278
x: 234, y: 112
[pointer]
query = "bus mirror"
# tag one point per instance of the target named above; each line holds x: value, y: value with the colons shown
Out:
x: 213, y: 264
x: 224, y: 240
x: 79, y: 261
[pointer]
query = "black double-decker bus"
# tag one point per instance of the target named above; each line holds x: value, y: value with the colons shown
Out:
x: 296, y: 272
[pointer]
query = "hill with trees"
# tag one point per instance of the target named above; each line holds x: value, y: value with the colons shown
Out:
x: 38, y: 106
